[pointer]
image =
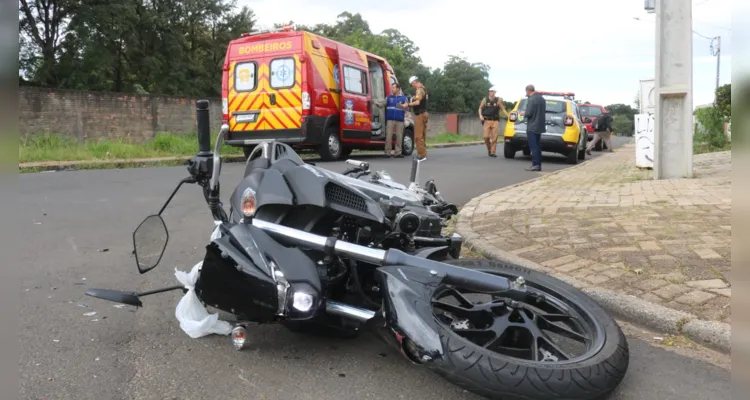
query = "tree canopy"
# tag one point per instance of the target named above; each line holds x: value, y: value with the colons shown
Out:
x: 177, y: 47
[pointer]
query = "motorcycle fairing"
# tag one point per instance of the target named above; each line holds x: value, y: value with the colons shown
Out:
x: 407, y: 294
x: 313, y: 186
x: 238, y: 275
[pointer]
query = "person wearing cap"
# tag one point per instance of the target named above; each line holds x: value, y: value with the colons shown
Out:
x: 421, y: 117
x: 395, y: 110
x: 489, y: 114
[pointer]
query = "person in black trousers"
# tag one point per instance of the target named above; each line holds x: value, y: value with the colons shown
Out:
x: 536, y: 108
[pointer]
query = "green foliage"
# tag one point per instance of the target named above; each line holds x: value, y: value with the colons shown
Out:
x: 173, y: 47
x: 622, y: 125
x: 709, y: 130
x: 724, y: 100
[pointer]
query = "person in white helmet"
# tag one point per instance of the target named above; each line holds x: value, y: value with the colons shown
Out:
x: 489, y: 114
x: 421, y: 117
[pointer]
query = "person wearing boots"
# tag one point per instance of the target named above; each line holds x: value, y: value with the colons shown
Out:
x: 489, y: 114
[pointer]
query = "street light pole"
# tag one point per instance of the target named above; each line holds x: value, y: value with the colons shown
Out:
x: 717, y: 52
x: 673, y: 134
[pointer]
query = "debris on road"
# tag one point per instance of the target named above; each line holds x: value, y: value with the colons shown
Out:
x: 90, y: 314
x: 104, y: 250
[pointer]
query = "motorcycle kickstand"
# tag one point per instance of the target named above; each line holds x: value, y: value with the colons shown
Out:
x: 239, y: 336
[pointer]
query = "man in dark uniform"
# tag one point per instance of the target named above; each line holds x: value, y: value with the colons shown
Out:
x: 535, y: 116
x: 489, y: 114
x: 421, y: 117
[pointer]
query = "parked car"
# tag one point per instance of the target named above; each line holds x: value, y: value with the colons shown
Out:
x: 566, y: 133
x: 306, y: 91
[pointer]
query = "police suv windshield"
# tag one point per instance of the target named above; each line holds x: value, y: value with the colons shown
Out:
x: 553, y: 106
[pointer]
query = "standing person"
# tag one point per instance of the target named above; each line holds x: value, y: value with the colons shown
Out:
x: 394, y: 117
x: 536, y: 108
x: 605, y: 135
x: 421, y: 117
x: 489, y: 114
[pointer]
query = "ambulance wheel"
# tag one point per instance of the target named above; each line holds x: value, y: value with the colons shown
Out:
x: 407, y: 144
x: 346, y: 152
x: 331, y: 149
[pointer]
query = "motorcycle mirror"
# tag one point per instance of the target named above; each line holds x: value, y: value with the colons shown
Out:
x: 587, y: 120
x: 149, y: 242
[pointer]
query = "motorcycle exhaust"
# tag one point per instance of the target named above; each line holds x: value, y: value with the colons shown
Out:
x: 343, y: 310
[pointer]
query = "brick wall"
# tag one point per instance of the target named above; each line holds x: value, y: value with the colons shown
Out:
x: 87, y: 115
x: 99, y: 115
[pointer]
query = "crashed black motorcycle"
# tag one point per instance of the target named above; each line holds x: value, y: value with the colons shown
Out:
x: 291, y: 252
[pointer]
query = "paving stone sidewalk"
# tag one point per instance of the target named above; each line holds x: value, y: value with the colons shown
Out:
x: 604, y: 222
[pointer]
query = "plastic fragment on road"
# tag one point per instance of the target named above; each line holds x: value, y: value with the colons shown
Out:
x: 194, y: 319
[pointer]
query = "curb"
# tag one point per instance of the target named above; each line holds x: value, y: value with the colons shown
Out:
x: 712, y: 334
x: 155, y: 162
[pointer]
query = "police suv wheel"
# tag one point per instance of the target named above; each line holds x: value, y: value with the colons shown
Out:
x: 509, y: 151
x: 407, y: 144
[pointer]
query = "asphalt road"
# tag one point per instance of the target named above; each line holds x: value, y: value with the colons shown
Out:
x: 75, y: 233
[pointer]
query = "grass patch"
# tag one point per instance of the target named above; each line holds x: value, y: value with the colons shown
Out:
x: 52, y: 147
x: 453, y: 138
x: 708, y: 147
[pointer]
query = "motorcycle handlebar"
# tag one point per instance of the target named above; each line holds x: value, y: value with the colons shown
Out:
x: 204, y: 127
x: 358, y: 164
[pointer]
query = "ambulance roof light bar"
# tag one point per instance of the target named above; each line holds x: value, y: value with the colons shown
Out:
x: 565, y: 95
x: 285, y: 28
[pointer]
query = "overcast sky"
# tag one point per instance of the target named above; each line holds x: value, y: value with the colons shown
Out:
x: 531, y: 41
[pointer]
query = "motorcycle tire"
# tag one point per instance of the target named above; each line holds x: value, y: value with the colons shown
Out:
x: 496, y: 376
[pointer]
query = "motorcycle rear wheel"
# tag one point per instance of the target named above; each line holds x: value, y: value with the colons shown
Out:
x: 469, y: 362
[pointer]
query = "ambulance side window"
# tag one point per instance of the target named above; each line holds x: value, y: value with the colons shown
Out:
x: 355, y: 80
x: 245, y: 78
x: 282, y: 73
x: 393, y: 80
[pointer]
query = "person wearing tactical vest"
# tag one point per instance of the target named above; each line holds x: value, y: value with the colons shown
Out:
x: 421, y: 117
x: 395, y: 110
x: 489, y: 114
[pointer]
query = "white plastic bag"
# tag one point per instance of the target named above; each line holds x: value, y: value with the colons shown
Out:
x: 194, y: 319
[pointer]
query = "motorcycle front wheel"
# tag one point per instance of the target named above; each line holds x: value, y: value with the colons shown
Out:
x: 560, y: 344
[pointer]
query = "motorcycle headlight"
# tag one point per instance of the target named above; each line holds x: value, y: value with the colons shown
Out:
x: 408, y: 223
x: 248, y: 202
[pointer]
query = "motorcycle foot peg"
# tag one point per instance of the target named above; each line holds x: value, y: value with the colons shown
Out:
x: 239, y: 337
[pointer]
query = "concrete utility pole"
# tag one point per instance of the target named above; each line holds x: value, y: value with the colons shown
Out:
x: 673, y: 134
x: 716, y: 51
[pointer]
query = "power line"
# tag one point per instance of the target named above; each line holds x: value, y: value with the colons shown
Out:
x: 694, y: 31
x: 703, y: 36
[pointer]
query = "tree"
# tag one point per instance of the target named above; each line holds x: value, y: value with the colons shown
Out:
x: 42, y: 28
x: 174, y: 47
x: 459, y: 86
x: 724, y: 100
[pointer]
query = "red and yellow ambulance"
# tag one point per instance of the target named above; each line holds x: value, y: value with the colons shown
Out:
x: 307, y: 91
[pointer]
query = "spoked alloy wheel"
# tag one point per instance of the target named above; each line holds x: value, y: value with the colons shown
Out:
x: 519, y: 330
x: 555, y: 344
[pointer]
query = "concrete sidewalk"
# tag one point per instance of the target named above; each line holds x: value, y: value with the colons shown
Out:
x: 603, y: 225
